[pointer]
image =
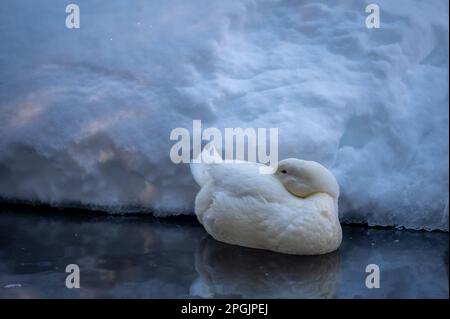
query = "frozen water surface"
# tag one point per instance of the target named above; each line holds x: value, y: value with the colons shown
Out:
x: 147, y: 257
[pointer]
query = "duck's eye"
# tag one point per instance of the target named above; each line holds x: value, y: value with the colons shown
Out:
x: 284, y: 171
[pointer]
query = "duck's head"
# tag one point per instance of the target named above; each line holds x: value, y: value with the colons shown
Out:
x: 304, y: 178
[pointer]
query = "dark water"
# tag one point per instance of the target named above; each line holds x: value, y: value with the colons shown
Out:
x: 144, y: 257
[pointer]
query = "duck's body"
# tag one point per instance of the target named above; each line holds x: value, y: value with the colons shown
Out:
x: 240, y: 206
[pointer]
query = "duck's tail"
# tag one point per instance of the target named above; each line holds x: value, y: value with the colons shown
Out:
x: 201, y: 164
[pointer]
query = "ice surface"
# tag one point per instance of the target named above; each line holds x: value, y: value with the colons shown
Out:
x: 86, y: 114
x: 142, y: 257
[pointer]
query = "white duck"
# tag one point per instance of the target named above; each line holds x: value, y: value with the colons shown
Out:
x: 293, y: 211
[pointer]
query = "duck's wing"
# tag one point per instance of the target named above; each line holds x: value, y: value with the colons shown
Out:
x: 239, y: 179
x: 201, y: 164
x: 235, y: 177
x: 209, y: 159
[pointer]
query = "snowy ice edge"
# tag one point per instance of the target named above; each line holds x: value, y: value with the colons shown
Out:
x: 66, y: 207
x: 371, y: 104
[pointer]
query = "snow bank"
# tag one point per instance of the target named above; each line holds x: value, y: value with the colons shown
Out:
x: 86, y: 114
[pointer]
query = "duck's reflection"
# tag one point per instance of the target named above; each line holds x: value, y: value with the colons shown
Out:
x: 233, y: 272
